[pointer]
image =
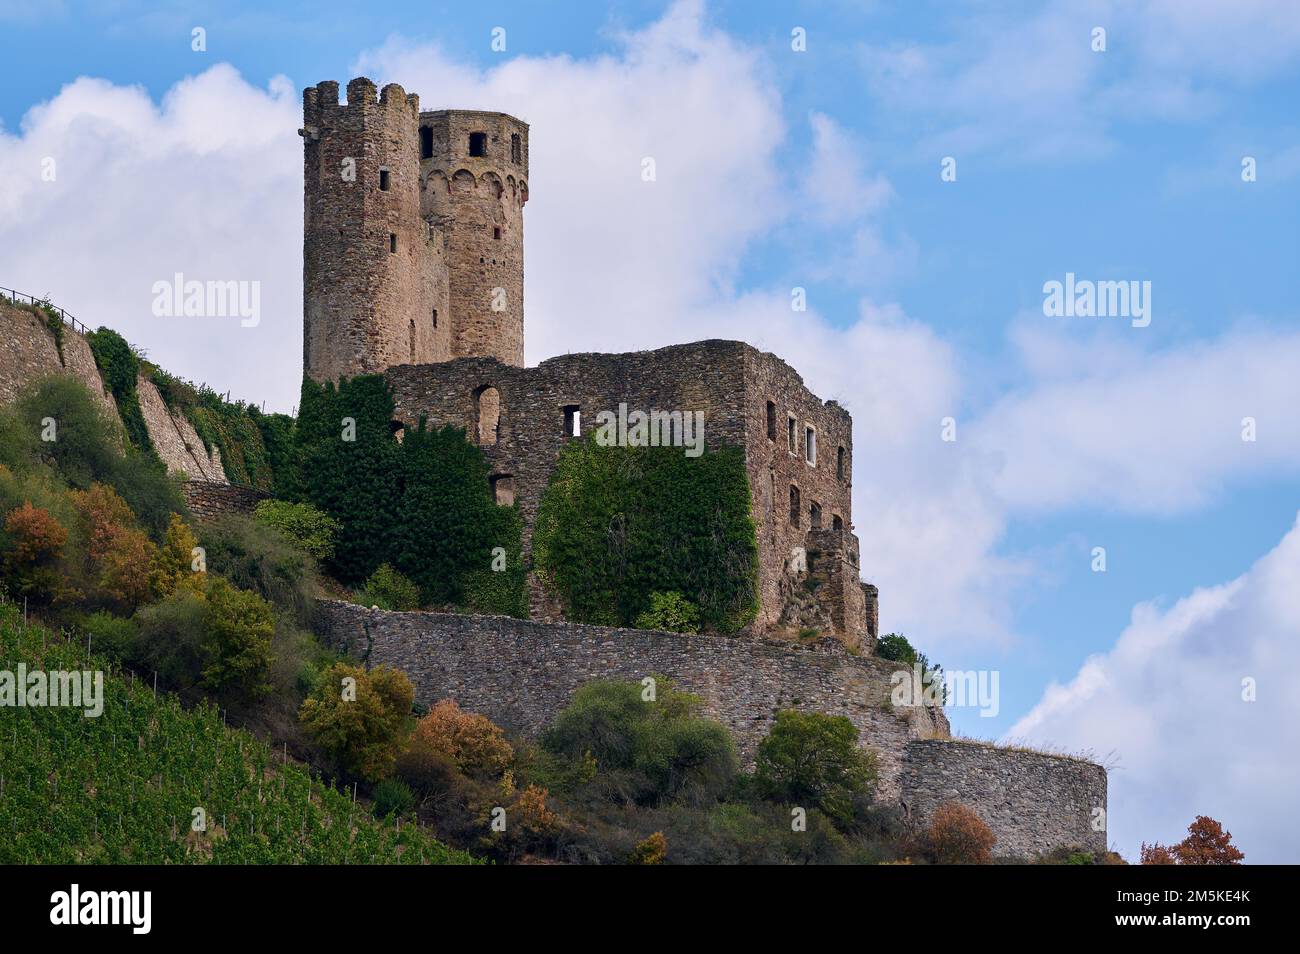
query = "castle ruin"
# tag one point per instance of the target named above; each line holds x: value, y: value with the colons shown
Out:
x: 413, y: 267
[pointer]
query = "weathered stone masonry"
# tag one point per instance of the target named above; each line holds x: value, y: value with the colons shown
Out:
x: 1033, y: 802
x: 521, y: 673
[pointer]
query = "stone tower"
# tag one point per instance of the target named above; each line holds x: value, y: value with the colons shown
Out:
x: 373, y: 275
x: 474, y: 176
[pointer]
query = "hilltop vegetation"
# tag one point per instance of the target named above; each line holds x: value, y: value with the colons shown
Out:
x: 124, y: 787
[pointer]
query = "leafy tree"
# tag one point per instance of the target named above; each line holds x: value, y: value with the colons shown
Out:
x: 359, y: 717
x: 255, y: 557
x: 348, y: 468
x: 35, y: 541
x: 1206, y: 844
x: 814, y: 760
x: 895, y: 647
x: 958, y: 836
x: 651, y: 850
x: 237, y: 644
x: 119, y: 367
x: 173, y: 564
x: 647, y: 751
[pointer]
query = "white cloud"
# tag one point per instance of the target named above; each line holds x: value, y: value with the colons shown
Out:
x: 1166, y: 701
x: 207, y: 183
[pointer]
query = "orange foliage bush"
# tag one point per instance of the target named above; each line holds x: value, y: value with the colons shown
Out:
x: 958, y: 836
x: 119, y: 555
x: 472, y: 742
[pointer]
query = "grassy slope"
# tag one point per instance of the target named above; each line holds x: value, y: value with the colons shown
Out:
x: 121, y: 788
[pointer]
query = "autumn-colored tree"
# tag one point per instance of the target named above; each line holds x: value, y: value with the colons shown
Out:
x: 473, y: 743
x: 1206, y: 844
x: 173, y: 564
x: 31, y: 561
x: 118, y: 553
x: 359, y: 717
x: 1157, y: 854
x: 958, y: 836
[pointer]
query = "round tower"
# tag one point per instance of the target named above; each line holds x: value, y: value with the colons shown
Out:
x: 370, y: 265
x: 474, y: 175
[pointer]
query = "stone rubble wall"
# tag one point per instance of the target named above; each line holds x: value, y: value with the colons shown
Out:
x: 208, y: 499
x: 521, y: 673
x: 28, y: 352
x: 175, y: 439
x: 1033, y: 802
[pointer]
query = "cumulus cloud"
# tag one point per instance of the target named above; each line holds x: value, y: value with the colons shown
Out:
x: 1166, y: 702
x: 206, y: 183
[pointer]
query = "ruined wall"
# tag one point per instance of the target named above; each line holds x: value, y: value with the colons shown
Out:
x: 175, y: 439
x: 208, y: 499
x: 521, y: 673
x: 369, y: 275
x: 477, y: 203
x: 518, y: 417
x: 834, y: 582
x: 776, y: 464
x: 1034, y: 803
x: 28, y: 352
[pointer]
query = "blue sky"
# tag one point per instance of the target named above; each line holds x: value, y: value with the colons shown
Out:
x: 817, y: 169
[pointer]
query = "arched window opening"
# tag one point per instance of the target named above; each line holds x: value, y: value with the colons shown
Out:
x: 815, y: 515
x: 489, y: 414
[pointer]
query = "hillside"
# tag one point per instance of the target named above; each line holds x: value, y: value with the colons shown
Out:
x: 123, y: 787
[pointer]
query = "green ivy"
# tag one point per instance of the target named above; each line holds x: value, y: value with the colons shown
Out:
x: 422, y: 504
x: 119, y: 366
x: 618, y: 524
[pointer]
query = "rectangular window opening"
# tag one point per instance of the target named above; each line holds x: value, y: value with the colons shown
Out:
x: 794, y: 506
x: 792, y: 434
x: 771, y: 420
x: 392, y: 243
x: 383, y: 180
x: 426, y: 142
x: 478, y: 144
x: 810, y: 445
x: 572, y: 420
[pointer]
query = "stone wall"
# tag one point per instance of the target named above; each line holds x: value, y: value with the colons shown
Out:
x: 174, y: 438
x: 521, y: 673
x: 29, y: 352
x: 1032, y: 802
x: 208, y: 499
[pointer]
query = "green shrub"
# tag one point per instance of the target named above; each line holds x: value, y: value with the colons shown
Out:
x: 171, y: 637
x: 114, y: 636
x: 671, y: 612
x: 310, y: 529
x: 393, y: 796
x: 257, y: 558
x: 813, y: 760
x: 617, y: 524
x: 218, y: 640
x: 646, y: 752
x: 87, y: 449
x: 389, y: 590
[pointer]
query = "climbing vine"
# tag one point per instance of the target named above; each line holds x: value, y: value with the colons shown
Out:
x: 619, y: 524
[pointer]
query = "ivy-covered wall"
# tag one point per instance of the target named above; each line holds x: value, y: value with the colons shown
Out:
x: 617, y: 524
x: 421, y: 503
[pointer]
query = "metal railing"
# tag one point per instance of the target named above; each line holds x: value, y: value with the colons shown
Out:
x: 21, y: 297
